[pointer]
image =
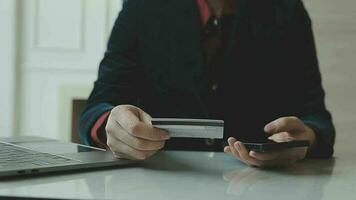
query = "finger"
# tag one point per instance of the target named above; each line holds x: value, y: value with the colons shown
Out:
x: 119, y: 149
x: 282, y: 137
x: 285, y: 124
x: 137, y: 143
x: 233, y: 150
x: 265, y: 156
x: 245, y: 156
x: 227, y: 149
x: 130, y: 122
x: 148, y: 132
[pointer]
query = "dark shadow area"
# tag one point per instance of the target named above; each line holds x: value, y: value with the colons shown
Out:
x: 78, y: 106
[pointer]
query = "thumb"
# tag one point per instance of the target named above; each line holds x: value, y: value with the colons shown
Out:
x: 138, y: 115
x: 285, y: 124
x: 145, y: 118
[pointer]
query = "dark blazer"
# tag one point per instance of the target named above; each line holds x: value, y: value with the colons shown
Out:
x: 154, y: 60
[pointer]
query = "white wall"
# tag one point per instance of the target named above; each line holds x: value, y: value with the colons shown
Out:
x: 335, y: 30
x: 7, y: 65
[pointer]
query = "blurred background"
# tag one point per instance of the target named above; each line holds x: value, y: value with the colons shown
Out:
x: 50, y: 50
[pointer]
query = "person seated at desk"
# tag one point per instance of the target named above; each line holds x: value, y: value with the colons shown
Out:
x: 250, y: 63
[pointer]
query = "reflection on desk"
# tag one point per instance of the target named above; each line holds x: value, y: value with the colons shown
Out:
x: 196, y: 175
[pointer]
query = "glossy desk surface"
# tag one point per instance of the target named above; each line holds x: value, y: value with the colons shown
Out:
x: 197, y: 175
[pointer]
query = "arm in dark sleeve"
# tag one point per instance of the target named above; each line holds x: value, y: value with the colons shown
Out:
x: 313, y: 110
x: 118, y: 71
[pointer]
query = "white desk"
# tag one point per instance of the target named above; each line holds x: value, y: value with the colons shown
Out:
x: 197, y: 175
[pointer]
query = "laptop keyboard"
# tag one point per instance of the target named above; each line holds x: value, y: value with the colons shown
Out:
x: 12, y: 156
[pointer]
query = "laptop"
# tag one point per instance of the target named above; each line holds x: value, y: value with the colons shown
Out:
x: 35, y: 155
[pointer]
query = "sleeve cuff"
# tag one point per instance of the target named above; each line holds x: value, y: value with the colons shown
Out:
x: 322, y: 148
x: 94, y: 133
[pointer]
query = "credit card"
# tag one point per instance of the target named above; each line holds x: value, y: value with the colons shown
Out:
x: 191, y: 128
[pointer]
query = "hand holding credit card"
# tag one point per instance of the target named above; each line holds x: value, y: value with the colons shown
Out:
x: 191, y: 128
